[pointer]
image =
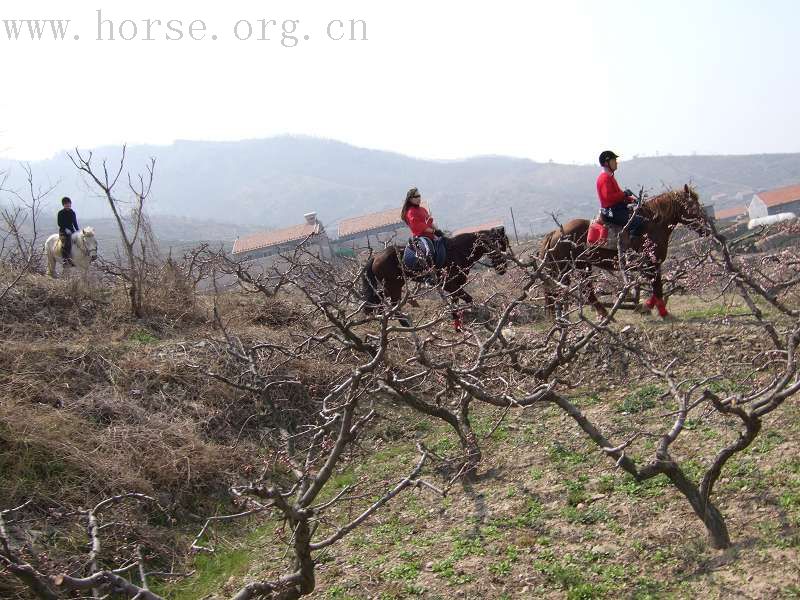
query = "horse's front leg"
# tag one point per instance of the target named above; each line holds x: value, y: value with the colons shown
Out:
x: 51, y: 265
x: 395, y: 291
x: 657, y: 299
x: 454, y: 287
x: 595, y: 302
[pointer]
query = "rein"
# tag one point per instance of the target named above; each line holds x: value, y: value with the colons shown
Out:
x: 490, y: 249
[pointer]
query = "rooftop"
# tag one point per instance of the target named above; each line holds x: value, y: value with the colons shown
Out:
x: 729, y: 213
x: 363, y: 223
x: 780, y: 196
x: 267, y: 239
x: 481, y: 227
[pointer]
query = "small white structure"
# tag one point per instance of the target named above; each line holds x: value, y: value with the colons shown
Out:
x: 771, y: 220
x: 757, y: 209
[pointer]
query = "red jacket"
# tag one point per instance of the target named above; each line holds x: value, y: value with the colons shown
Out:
x: 418, y: 219
x: 608, y: 191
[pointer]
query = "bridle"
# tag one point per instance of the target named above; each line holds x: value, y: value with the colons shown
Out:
x: 81, y: 243
x: 699, y: 222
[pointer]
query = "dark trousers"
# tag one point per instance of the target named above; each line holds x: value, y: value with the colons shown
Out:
x: 66, y: 243
x: 620, y: 214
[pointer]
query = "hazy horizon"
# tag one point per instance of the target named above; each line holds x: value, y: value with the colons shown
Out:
x: 62, y: 151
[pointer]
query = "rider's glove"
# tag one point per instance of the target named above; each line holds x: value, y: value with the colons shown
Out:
x: 438, y: 233
x: 628, y: 193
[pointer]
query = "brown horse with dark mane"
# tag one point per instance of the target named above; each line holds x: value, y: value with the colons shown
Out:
x: 566, y: 248
x: 384, y: 275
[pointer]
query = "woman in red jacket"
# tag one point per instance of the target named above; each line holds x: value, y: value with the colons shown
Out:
x: 430, y: 240
x: 417, y: 217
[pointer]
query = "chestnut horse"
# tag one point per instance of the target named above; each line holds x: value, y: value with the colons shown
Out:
x: 385, y: 276
x: 567, y: 248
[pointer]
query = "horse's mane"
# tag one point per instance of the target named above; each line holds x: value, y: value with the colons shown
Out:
x: 665, y: 207
x: 461, y: 237
x: 463, y: 243
x: 88, y: 231
x: 470, y: 237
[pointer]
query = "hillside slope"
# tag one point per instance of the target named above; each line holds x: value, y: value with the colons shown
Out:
x: 271, y: 182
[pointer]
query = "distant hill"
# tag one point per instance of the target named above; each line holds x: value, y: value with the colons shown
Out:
x: 175, y: 234
x: 270, y: 183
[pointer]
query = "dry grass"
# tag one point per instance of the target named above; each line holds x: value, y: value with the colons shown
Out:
x: 94, y: 403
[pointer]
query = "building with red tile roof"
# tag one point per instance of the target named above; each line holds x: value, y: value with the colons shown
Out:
x: 482, y: 227
x: 373, y: 223
x: 382, y: 227
x: 780, y: 196
x: 772, y: 202
x: 730, y: 213
x: 268, y: 243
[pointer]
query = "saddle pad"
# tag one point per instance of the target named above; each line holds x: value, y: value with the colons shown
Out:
x: 413, y: 260
x: 417, y: 254
x: 603, y: 235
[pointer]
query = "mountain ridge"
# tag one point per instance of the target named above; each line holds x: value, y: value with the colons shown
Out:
x: 270, y: 183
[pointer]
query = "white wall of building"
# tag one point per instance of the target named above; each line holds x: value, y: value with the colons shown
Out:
x: 757, y: 209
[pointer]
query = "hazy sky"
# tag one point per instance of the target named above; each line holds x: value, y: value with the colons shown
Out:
x: 444, y: 79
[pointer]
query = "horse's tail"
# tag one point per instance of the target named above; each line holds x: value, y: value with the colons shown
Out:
x: 369, y: 286
x: 49, y: 252
x: 550, y: 268
x: 546, y: 249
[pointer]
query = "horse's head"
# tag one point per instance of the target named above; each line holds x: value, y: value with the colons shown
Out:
x: 88, y: 243
x: 494, y: 243
x: 692, y: 213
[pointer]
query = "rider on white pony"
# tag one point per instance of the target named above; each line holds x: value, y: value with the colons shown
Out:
x: 67, y: 225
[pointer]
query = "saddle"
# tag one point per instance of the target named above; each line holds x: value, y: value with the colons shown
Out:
x: 422, y: 254
x: 603, y: 234
x: 65, y: 240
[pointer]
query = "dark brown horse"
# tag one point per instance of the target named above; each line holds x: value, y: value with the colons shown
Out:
x: 566, y: 248
x: 384, y: 275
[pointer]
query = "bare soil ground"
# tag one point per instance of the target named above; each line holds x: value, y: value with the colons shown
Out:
x: 93, y: 403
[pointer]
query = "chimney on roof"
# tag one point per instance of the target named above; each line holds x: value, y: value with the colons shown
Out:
x: 311, y: 218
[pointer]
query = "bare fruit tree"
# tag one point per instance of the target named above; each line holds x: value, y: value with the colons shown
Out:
x: 20, y: 246
x: 442, y: 373
x: 713, y: 392
x: 133, y: 227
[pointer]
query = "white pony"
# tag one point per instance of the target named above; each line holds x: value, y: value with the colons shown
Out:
x: 84, y: 250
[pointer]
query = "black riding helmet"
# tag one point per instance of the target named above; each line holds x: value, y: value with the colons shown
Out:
x: 412, y: 193
x: 605, y: 156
